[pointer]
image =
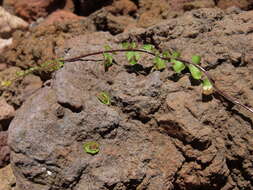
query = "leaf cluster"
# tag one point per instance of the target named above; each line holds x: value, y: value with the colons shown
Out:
x: 160, y: 60
x: 47, y: 67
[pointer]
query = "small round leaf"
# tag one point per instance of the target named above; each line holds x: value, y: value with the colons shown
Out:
x: 196, y: 59
x: 207, y: 87
x: 91, y: 147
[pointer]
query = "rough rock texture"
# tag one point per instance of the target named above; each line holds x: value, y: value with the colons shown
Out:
x: 4, y: 44
x: 3, y: 66
x: 8, y: 179
x: 145, y: 12
x: 6, y: 113
x: 61, y: 16
x: 32, y: 48
x: 122, y: 14
x: 151, y: 12
x: 31, y: 10
x: 85, y: 8
x: 115, y: 24
x: 140, y: 163
x: 20, y: 90
x: 38, y: 44
x: 158, y: 133
x: 125, y: 7
x: 4, y: 149
x: 9, y: 23
x: 243, y: 4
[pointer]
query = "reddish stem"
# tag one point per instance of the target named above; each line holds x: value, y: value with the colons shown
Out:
x: 220, y: 92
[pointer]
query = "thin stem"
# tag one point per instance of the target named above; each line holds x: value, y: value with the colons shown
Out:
x: 220, y: 92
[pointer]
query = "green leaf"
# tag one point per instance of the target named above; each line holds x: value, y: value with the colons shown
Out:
x: 196, y: 59
x: 176, y: 54
x: 20, y: 73
x: 91, y: 147
x: 137, y: 56
x: 129, y: 55
x: 6, y: 83
x: 156, y: 52
x: 107, y: 47
x: 108, y: 57
x: 195, y: 72
x: 55, y: 65
x: 166, y: 54
x: 104, y: 98
x: 133, y: 45
x: 132, y: 57
x: 133, y: 62
x: 128, y: 45
x: 45, y: 64
x: 159, y: 63
x: 108, y: 60
x: 61, y: 64
x: 178, y: 66
x: 125, y: 45
x: 207, y: 87
x: 148, y: 47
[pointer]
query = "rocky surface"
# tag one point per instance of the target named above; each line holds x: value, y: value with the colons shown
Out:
x: 144, y: 12
x: 4, y: 44
x: 61, y: 16
x: 243, y: 4
x: 158, y: 132
x: 7, y: 178
x: 7, y: 113
x: 38, y: 44
x: 10, y: 23
x: 31, y: 10
x: 20, y: 90
x: 4, y: 149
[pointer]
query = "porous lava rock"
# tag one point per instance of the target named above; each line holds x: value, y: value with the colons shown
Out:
x: 243, y: 4
x: 61, y: 16
x: 7, y: 111
x: 158, y: 132
x: 9, y: 23
x: 4, y: 149
x: 8, y: 179
x: 39, y: 44
x: 31, y: 10
x: 17, y: 93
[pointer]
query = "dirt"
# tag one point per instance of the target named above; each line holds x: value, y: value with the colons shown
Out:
x: 159, y: 132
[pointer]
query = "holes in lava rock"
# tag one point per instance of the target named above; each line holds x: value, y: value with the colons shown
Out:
x: 86, y: 7
x: 74, y: 109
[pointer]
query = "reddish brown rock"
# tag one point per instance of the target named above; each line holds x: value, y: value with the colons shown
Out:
x: 60, y: 16
x: 122, y: 7
x: 6, y: 110
x: 30, y: 10
x: 243, y: 4
x: 4, y: 149
x: 151, y: 12
x: 9, y: 23
x: 69, y: 6
x: 3, y: 66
